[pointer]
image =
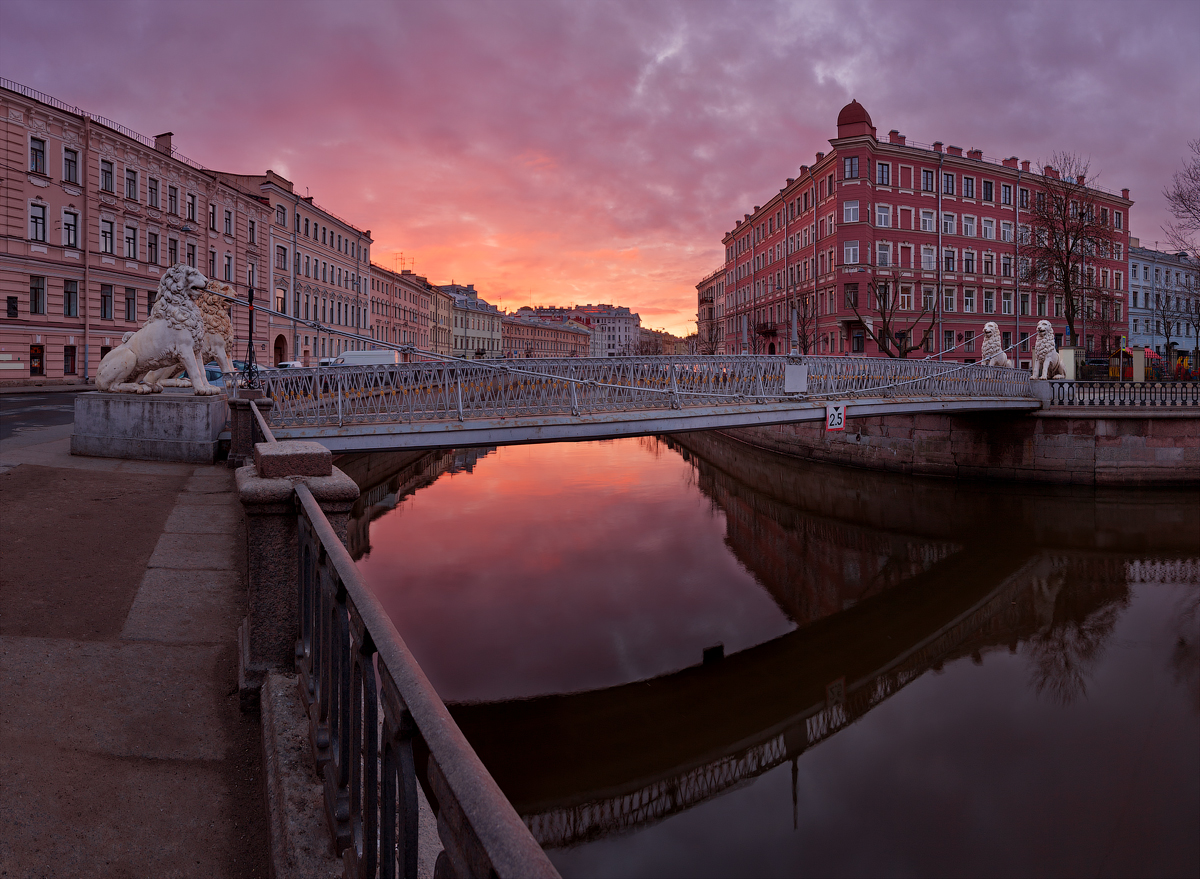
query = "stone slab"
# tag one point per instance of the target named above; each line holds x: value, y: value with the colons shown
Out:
x: 205, y: 518
x: 216, y: 552
x: 152, y: 427
x: 160, y: 701
x: 186, y: 607
x: 292, y: 458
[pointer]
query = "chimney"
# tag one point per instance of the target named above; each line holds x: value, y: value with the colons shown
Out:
x: 757, y: 208
x: 975, y: 154
x: 162, y: 142
x: 1047, y: 171
x: 1125, y: 194
x: 954, y: 151
x: 804, y: 169
x: 820, y: 156
x: 1025, y: 165
x: 894, y: 136
x: 1010, y: 162
x: 1079, y: 178
x: 791, y: 180
x: 738, y: 223
x: 937, y: 146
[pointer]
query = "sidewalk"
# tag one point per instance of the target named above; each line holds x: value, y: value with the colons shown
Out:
x: 122, y: 748
x: 46, y: 389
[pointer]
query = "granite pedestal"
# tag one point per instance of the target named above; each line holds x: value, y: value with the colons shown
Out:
x: 151, y: 427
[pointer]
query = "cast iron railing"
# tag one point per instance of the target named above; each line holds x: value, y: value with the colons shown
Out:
x: 353, y: 664
x: 462, y: 390
x: 1126, y: 394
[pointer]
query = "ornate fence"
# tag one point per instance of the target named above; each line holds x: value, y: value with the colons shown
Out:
x: 461, y: 390
x: 1125, y: 394
x: 353, y: 664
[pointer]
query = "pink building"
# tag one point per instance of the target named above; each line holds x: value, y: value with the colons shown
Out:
x: 939, y: 227
x: 94, y: 213
x: 401, y: 309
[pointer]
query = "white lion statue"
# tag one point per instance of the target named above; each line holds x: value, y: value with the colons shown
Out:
x: 170, y: 336
x: 1046, y: 362
x: 216, y: 343
x: 993, y: 354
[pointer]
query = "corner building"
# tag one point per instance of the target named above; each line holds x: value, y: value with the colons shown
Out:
x: 940, y: 225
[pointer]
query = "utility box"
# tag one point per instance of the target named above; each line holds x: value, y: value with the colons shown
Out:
x: 795, y: 378
x: 1072, y: 361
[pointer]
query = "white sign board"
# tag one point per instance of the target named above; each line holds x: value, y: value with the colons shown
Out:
x: 795, y: 379
x: 835, y: 416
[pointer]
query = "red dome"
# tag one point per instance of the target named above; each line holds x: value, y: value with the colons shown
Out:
x: 853, y: 113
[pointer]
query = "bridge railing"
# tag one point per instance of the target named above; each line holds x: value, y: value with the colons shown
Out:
x: 1125, y: 394
x: 444, y: 391
x: 354, y: 666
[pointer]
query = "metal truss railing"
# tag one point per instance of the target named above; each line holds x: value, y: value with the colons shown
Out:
x: 462, y: 390
x: 1134, y: 394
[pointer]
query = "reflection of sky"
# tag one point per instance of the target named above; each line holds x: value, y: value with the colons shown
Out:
x: 968, y: 772
x: 556, y: 568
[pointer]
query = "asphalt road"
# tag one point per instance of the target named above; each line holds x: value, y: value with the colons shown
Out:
x: 24, y: 412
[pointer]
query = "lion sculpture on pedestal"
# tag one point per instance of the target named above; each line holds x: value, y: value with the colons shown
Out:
x: 216, y: 343
x: 1046, y: 362
x: 171, y: 335
x: 993, y: 354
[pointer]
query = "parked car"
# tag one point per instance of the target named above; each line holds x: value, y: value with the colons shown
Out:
x: 367, y: 358
x: 212, y: 374
x: 291, y: 364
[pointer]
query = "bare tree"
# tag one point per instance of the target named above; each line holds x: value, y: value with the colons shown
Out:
x: 890, y: 315
x: 709, y: 338
x: 805, y: 305
x: 1172, y: 320
x: 1183, y: 197
x: 1066, y: 227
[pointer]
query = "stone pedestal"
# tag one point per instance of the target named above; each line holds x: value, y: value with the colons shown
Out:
x: 150, y: 427
x: 243, y: 426
x: 267, y: 637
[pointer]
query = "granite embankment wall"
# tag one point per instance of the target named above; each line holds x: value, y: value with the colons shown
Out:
x: 1133, y: 448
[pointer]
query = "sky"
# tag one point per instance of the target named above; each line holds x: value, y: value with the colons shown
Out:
x: 581, y: 152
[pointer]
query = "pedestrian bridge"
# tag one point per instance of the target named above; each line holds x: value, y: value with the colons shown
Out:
x: 432, y: 404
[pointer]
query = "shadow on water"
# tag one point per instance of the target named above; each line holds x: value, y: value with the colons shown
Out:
x: 886, y: 577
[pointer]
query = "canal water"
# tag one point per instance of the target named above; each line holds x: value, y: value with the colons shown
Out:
x: 688, y: 657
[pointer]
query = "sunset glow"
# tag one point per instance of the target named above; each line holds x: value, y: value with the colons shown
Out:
x: 560, y: 153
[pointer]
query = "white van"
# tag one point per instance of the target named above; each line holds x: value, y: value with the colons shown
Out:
x: 380, y: 357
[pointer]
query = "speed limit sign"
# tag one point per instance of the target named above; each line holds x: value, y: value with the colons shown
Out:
x: 835, y: 416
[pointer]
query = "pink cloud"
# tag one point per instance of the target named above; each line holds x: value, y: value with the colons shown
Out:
x: 588, y: 152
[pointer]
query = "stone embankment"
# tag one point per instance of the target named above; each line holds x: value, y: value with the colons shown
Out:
x: 1061, y: 445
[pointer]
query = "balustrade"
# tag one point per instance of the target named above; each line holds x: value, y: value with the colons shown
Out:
x: 1125, y: 394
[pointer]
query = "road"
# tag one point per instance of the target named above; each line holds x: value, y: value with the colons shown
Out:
x: 24, y: 412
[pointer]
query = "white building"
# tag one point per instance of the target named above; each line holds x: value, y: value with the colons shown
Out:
x: 477, y: 332
x: 1164, y: 300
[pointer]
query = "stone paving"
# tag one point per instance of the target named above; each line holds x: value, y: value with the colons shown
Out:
x: 122, y: 748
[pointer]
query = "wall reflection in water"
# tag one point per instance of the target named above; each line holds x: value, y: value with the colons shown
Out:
x: 920, y: 676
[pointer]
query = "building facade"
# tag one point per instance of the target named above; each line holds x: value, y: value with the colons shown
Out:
x: 1164, y: 302
x: 476, y: 330
x: 929, y: 227
x: 441, y: 321
x: 710, y: 313
x: 525, y: 335
x: 94, y: 214
x: 614, y: 328
x: 401, y: 308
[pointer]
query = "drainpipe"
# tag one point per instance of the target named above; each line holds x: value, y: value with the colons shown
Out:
x: 1017, y: 267
x: 87, y: 287
x: 937, y: 300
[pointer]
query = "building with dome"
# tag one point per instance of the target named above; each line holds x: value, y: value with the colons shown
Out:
x: 933, y: 228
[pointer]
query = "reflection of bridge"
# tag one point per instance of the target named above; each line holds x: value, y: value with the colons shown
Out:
x: 462, y: 403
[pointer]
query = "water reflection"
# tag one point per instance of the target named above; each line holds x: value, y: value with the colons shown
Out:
x: 1007, y: 594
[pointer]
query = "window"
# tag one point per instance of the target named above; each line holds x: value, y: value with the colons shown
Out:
x: 252, y: 232
x: 130, y: 242
x: 191, y: 255
x: 883, y: 173
x: 906, y: 298
x: 37, y: 155
x: 1024, y: 304
x: 173, y: 200
x: 152, y: 248
x: 928, y: 301
x: 228, y: 267
x: 989, y: 301
x: 850, y: 168
x: 948, y: 224
x: 988, y: 192
x: 212, y: 217
x: 37, y: 294
x: 281, y: 262
x: 281, y: 215
x: 968, y: 226
x: 968, y: 187
x: 151, y: 295
x: 883, y: 254
x: 969, y: 340
x: 229, y: 222
x: 70, y: 229
x: 297, y: 221
x: 212, y: 263
x: 948, y: 260
x: 928, y: 258
x: 106, y: 176
x: 947, y: 183
x: 296, y: 263
x: 1117, y: 219
x: 152, y: 192
x: 172, y: 251
x: 850, y: 212
x: 850, y: 253
x: 968, y: 300
x: 131, y: 184
x: 1041, y: 305
x: 70, y: 299
x: 927, y: 221
x: 68, y: 360
x: 948, y: 299
x: 37, y: 222
x: 927, y: 181
x: 1024, y: 197
x: 1058, y: 306
x: 883, y: 216
x: 1006, y: 340
x: 1005, y: 194
x: 968, y: 261
x: 1006, y: 231
x: 71, y: 166
x: 130, y: 305
x: 106, y: 236
x: 1006, y: 266
x: 106, y: 302
x: 1007, y: 302
x: 191, y: 206
x: 989, y: 230
x: 987, y: 264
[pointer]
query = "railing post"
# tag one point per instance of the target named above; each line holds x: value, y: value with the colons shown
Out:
x: 458, y: 391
